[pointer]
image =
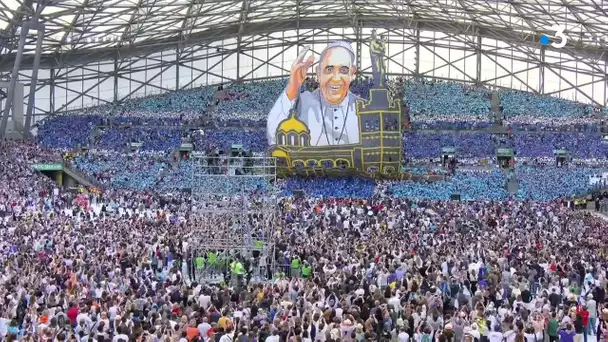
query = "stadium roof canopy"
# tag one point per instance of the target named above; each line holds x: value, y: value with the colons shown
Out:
x: 79, y: 31
x: 107, y: 51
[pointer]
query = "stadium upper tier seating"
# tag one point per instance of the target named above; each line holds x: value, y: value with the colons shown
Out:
x: 590, y: 127
x: 153, y: 138
x: 580, y: 145
x: 149, y: 118
x: 186, y: 101
x: 70, y: 132
x: 248, y: 101
x: 468, y: 144
x: 449, y: 101
x: 454, y: 124
x: 521, y: 103
x: 67, y: 131
x: 432, y: 105
x: 157, y: 171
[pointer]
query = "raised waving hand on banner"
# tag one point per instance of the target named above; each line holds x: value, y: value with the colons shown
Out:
x: 298, y: 73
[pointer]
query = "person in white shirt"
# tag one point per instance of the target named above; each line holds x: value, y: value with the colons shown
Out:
x: 592, y: 307
x: 274, y: 337
x: 203, y: 328
x: 113, y: 311
x: 529, y: 335
x: 510, y: 335
x: 229, y: 335
x: 395, y: 301
x: 403, y: 336
x: 4, y: 327
x: 120, y: 337
x: 496, y: 335
x: 204, y: 299
x: 84, y: 317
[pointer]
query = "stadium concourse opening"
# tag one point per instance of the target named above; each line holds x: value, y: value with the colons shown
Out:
x: 324, y: 171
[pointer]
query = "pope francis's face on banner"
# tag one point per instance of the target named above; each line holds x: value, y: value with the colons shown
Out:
x: 335, y: 74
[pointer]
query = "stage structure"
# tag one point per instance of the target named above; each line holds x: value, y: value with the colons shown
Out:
x: 237, y: 206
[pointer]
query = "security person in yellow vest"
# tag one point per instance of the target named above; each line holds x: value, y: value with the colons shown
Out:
x: 238, y: 271
x: 296, y: 265
x: 306, y: 270
x: 232, y: 268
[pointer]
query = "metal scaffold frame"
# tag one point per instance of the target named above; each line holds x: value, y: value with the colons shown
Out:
x: 238, y: 199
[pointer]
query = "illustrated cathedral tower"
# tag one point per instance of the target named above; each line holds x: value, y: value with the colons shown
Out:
x: 380, y: 120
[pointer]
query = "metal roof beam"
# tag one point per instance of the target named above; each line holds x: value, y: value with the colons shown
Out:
x: 72, y: 26
x: 522, y: 15
x: 127, y: 33
x: 578, y: 18
x: 256, y: 28
x: 11, y: 31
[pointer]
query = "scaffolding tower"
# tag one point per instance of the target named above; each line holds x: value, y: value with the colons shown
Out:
x: 237, y: 205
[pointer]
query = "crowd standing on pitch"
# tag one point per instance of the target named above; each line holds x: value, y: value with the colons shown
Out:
x: 90, y: 267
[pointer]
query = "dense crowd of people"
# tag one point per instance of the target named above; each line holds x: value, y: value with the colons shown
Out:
x: 118, y: 266
x: 353, y: 259
x: 160, y: 121
x: 539, y: 178
x: 441, y: 101
x: 65, y: 132
x: 423, y: 144
x: 522, y: 103
x: 583, y: 145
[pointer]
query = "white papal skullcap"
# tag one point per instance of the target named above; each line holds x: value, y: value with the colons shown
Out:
x: 342, y: 44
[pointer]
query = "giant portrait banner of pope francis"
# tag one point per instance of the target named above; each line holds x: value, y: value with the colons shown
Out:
x: 330, y: 127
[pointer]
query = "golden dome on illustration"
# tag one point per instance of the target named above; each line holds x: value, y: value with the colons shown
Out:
x: 292, y: 124
x: 279, y: 154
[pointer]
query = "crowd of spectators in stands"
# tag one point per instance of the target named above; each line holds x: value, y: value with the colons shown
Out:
x: 250, y: 139
x: 160, y: 123
x: 66, y: 133
x: 419, y: 144
x: 163, y: 172
x: 185, y: 104
x: 247, y: 103
x: 522, y: 103
x: 556, y: 182
x: 137, y: 171
x: 579, y: 144
x: 446, y: 101
x: 430, y: 105
x: 152, y: 138
x: 469, y: 184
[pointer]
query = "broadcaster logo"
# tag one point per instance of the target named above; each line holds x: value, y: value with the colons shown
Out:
x: 558, y: 41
